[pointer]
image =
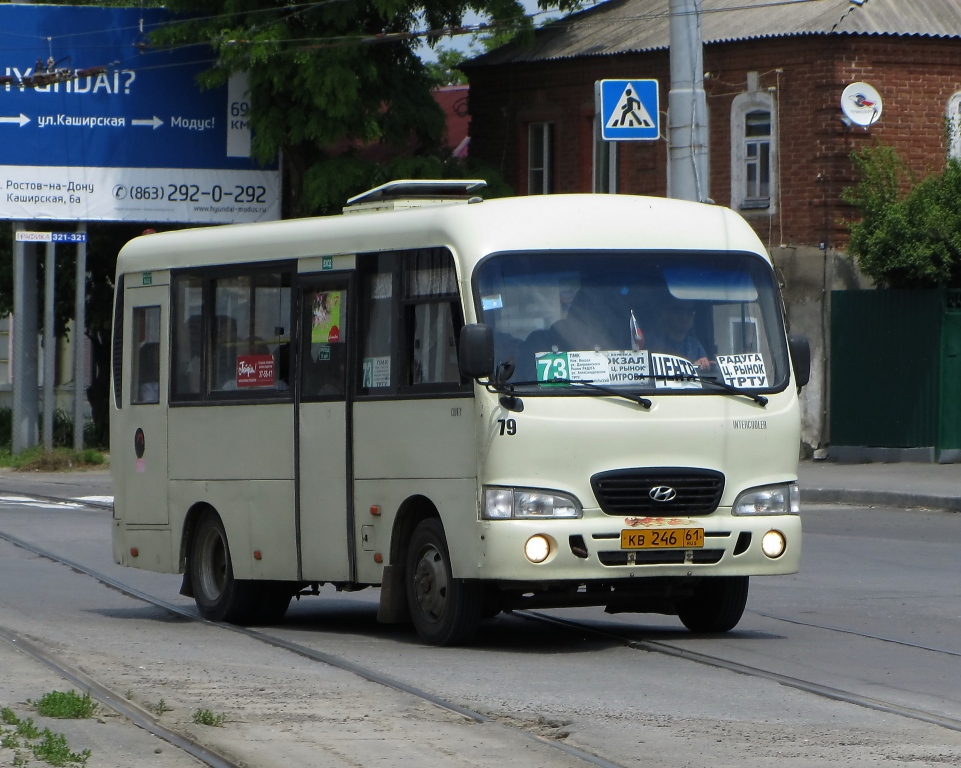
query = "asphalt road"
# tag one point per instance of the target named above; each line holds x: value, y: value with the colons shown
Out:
x: 875, y: 612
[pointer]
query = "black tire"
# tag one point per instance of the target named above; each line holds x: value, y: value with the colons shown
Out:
x: 444, y: 610
x: 219, y: 596
x: 716, y: 606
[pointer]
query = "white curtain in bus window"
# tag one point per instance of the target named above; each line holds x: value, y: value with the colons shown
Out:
x: 145, y: 360
x: 250, y: 333
x: 187, y: 334
x: 325, y: 364
x: 430, y: 296
x: 378, y: 325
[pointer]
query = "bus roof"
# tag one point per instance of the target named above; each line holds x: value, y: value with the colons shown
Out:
x: 471, y: 231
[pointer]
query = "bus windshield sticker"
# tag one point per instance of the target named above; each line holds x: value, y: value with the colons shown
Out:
x: 614, y: 367
x: 745, y: 370
x: 325, y: 322
x: 492, y: 302
x: 255, y: 371
x: 376, y: 372
x: 674, y: 372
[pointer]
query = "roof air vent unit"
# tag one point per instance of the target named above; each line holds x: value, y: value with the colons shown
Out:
x: 415, y: 193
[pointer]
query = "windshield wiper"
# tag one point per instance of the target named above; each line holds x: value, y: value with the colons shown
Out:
x: 587, y: 384
x: 759, y: 399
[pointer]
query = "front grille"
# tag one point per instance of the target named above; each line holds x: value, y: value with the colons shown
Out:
x: 628, y: 491
x: 662, y: 557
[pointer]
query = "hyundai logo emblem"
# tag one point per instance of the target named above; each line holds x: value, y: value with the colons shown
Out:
x: 662, y: 493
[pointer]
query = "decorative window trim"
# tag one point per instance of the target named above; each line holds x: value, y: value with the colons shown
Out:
x: 745, y: 103
x: 952, y: 114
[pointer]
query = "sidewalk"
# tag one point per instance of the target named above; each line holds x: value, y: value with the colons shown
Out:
x: 61, y: 485
x: 897, y: 484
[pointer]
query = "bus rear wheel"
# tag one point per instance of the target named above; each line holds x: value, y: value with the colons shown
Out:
x: 219, y: 596
x: 444, y: 610
x: 716, y: 606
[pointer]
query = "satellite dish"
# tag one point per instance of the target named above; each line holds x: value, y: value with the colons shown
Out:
x: 861, y: 104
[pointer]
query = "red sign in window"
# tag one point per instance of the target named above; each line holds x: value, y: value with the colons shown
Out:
x: 255, y: 370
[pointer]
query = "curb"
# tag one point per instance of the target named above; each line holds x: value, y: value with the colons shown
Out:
x: 880, y: 498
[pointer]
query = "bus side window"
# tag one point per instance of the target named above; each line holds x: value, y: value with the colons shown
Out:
x: 325, y: 356
x: 187, y: 330
x: 377, y: 323
x: 145, y: 376
x: 250, y: 334
x: 432, y: 317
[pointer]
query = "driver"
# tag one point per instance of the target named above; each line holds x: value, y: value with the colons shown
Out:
x: 674, y: 334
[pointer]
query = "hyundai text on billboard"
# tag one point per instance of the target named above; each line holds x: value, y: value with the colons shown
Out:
x: 95, y: 125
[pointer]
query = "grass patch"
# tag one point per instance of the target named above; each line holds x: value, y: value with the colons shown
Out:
x: 27, y: 729
x: 66, y: 706
x: 161, y: 708
x: 24, y: 738
x: 58, y: 460
x: 53, y: 748
x: 206, y: 717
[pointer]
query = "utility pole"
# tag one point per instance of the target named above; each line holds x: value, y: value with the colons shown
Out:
x: 688, y: 170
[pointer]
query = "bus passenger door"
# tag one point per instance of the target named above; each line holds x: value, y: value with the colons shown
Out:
x: 143, y: 447
x: 325, y: 519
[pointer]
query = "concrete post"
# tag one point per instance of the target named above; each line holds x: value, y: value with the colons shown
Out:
x: 49, y: 345
x: 79, y: 332
x: 25, y: 365
x: 688, y: 168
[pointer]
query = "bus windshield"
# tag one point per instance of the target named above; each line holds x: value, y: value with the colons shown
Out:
x: 647, y: 321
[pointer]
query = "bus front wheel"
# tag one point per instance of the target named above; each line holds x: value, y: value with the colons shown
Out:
x: 219, y: 596
x: 716, y: 605
x: 444, y: 610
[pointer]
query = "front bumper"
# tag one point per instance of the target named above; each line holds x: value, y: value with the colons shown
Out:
x: 589, y: 548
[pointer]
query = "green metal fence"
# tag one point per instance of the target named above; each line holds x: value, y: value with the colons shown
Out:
x: 896, y: 369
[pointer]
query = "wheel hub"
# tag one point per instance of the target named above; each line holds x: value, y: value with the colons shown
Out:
x: 430, y: 583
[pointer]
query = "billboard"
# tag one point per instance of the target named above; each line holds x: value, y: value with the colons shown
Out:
x: 95, y: 125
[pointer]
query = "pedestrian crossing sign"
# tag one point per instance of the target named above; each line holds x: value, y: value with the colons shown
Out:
x: 628, y: 109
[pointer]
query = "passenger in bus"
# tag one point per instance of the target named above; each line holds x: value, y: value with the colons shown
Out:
x: 148, y: 372
x: 673, y: 333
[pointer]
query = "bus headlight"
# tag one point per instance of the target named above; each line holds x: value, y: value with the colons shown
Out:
x: 770, y: 500
x: 529, y: 504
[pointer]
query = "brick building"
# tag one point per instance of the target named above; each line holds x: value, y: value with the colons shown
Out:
x: 779, y: 143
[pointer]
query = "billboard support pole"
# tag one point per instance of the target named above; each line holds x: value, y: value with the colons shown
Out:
x: 25, y: 405
x: 80, y: 331
x: 49, y: 345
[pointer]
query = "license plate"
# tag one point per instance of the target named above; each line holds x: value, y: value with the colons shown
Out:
x: 663, y: 538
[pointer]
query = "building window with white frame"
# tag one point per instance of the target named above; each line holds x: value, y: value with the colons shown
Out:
x: 953, y: 119
x: 540, y: 158
x: 754, y: 152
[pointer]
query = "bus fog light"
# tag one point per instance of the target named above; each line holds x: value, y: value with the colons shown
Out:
x: 537, y: 548
x: 773, y: 544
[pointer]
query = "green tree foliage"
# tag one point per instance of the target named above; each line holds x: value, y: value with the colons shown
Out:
x: 329, y: 79
x: 444, y: 71
x: 909, y: 234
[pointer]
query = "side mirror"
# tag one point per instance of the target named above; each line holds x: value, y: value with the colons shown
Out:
x: 800, y: 358
x: 476, y: 351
